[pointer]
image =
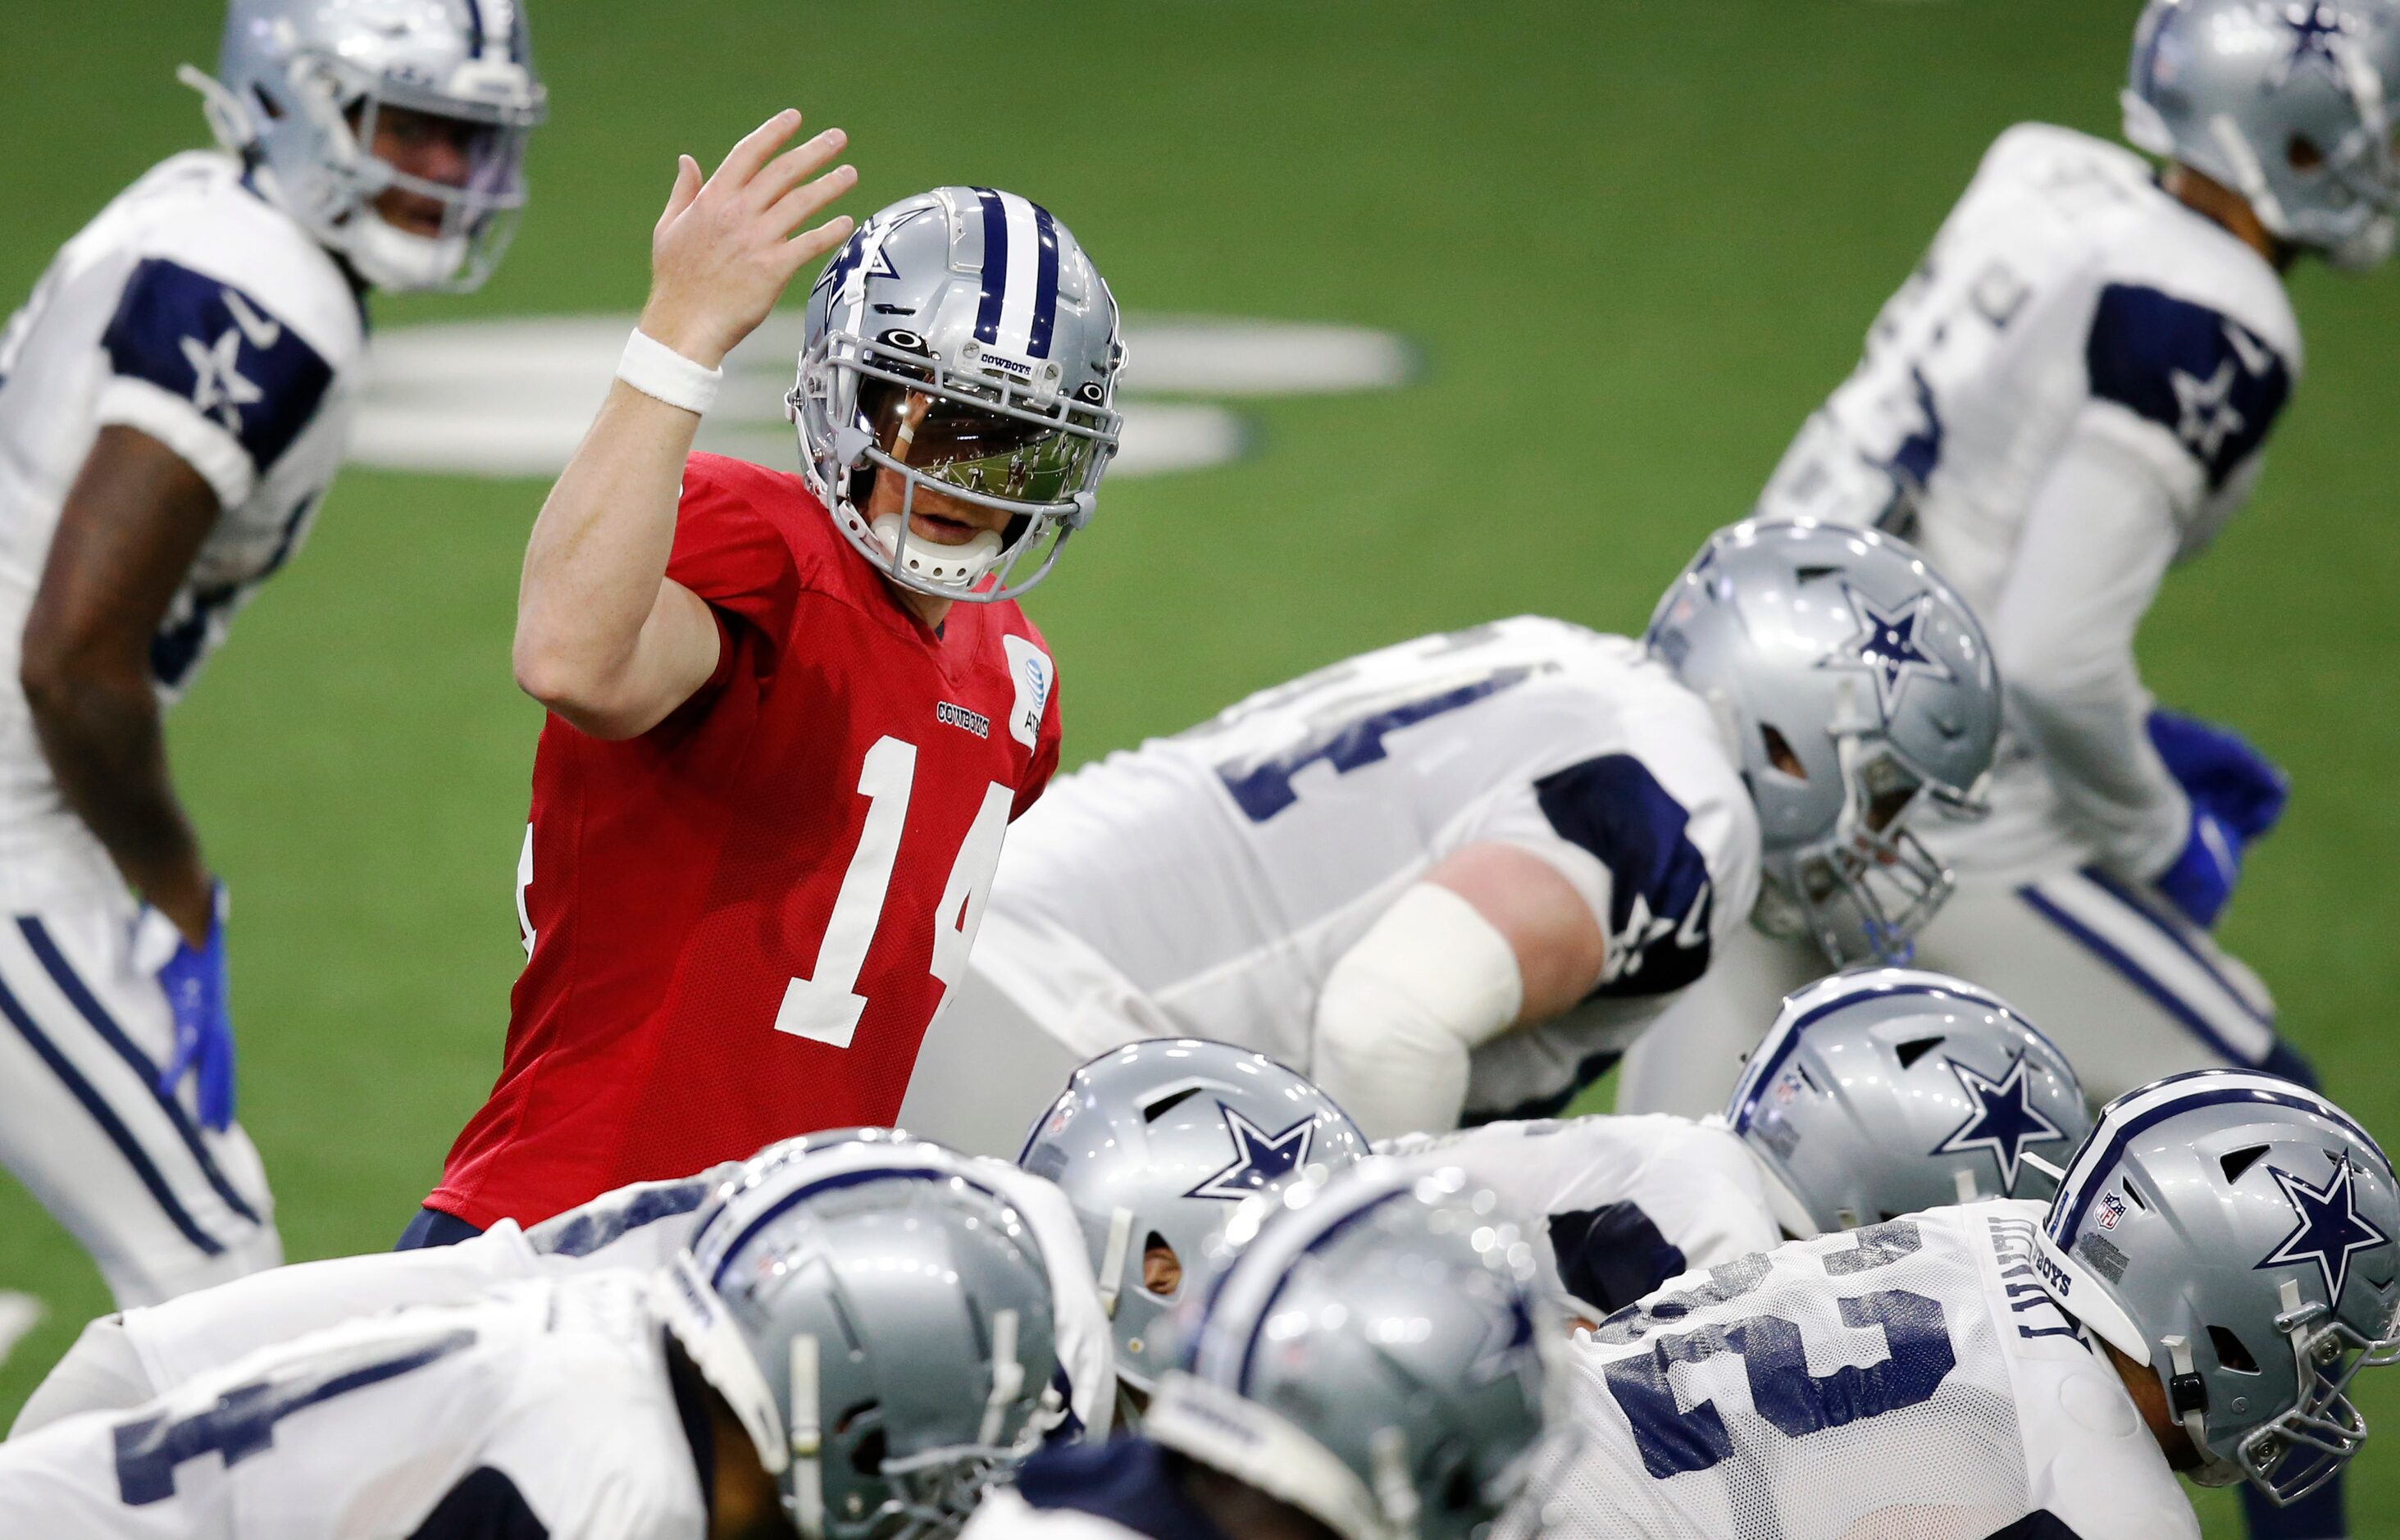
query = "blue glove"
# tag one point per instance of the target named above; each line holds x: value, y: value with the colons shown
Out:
x: 2218, y: 769
x: 2202, y: 877
x: 195, y: 981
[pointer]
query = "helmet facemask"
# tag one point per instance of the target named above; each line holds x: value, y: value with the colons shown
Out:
x: 1868, y: 884
x: 867, y: 408
x: 2301, y: 1451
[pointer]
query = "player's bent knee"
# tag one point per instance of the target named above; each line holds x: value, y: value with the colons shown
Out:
x: 101, y: 1372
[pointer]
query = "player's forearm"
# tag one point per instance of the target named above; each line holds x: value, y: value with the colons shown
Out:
x: 2095, y: 548
x: 100, y: 733
x: 598, y: 639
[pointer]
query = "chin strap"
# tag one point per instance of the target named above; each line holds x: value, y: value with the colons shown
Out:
x: 227, y: 122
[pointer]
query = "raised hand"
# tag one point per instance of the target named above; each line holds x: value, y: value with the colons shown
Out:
x: 725, y: 249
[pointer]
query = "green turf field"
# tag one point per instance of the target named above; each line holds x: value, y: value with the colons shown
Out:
x: 1634, y: 243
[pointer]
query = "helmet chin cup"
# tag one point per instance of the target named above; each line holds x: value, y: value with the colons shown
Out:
x: 958, y: 566
x: 397, y: 262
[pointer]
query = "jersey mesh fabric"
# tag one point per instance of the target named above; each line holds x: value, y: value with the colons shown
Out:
x: 683, y: 884
x: 1906, y: 1428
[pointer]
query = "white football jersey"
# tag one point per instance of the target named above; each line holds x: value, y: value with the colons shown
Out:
x: 1911, y: 1379
x: 195, y: 311
x: 1205, y: 884
x: 541, y: 1408
x: 1626, y: 1202
x: 640, y: 1228
x: 2066, y: 294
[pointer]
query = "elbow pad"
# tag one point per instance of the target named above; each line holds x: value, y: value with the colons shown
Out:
x: 1429, y: 982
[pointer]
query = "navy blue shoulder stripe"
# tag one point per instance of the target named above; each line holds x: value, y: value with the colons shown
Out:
x: 2040, y: 1524
x: 1659, y: 884
x: 220, y: 349
x: 606, y: 1220
x: 1612, y: 1256
x: 1128, y: 1481
x: 2205, y: 377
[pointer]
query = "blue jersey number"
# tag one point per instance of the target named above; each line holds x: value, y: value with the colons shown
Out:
x: 1673, y: 1442
x: 242, y: 1422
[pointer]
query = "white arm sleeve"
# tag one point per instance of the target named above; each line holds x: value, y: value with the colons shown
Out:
x: 1400, y: 1012
x: 2096, y: 544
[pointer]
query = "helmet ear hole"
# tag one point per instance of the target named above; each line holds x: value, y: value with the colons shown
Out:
x: 1779, y: 753
x: 2229, y: 1351
x: 2304, y: 155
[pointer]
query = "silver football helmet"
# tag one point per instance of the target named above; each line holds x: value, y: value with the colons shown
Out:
x: 302, y: 85
x: 2293, y: 103
x: 1852, y: 684
x: 1884, y: 1092
x: 960, y: 341
x: 879, y: 1323
x: 1156, y: 1143
x: 1369, y: 1358
x: 2234, y: 1232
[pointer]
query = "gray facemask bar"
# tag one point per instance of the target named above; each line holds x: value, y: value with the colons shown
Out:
x: 2306, y: 1447
x: 810, y: 403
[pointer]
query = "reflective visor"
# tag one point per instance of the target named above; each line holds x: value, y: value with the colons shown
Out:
x: 953, y: 442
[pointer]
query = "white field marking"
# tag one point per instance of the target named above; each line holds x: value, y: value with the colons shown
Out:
x: 18, y: 1314
x: 513, y: 398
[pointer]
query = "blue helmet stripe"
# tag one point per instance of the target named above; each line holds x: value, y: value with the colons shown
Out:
x: 1045, y: 282
x: 2088, y: 1173
x: 829, y: 1184
x: 1265, y: 1311
x: 482, y: 35
x: 1771, y: 1056
x: 995, y: 265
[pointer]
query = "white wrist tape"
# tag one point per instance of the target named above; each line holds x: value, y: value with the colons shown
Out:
x: 658, y: 371
x: 1429, y: 982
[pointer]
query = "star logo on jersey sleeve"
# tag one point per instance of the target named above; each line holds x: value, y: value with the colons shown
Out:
x: 2003, y: 1121
x: 2206, y: 408
x: 2318, y: 30
x: 218, y: 384
x: 1261, y: 1159
x: 1888, y: 647
x: 2330, y: 1229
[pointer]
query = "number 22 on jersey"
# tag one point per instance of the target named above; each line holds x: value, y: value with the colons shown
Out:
x: 826, y: 1006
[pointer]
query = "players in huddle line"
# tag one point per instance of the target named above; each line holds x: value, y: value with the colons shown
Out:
x: 865, y: 1334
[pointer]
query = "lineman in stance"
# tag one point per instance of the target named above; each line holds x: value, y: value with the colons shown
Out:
x: 1340, y: 1429
x: 1454, y: 878
x: 2070, y: 396
x: 125, y: 1359
x: 1876, y: 1094
x: 853, y: 1361
x: 175, y: 398
x: 2217, y: 1263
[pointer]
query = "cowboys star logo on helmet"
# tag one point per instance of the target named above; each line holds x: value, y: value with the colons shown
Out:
x: 2004, y: 1120
x: 2330, y: 1227
x: 1260, y: 1157
x: 1887, y: 646
x: 2318, y: 33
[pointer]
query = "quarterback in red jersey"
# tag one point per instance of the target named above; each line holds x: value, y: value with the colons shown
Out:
x: 791, y: 716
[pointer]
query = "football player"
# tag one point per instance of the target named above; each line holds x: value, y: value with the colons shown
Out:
x: 2069, y: 397
x: 174, y: 399
x: 1876, y: 1093
x: 854, y: 1362
x: 1454, y: 876
x: 790, y: 715
x: 2216, y: 1266
x: 1401, y: 1396
x: 125, y: 1359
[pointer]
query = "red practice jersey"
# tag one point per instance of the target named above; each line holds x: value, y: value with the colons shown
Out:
x: 739, y: 925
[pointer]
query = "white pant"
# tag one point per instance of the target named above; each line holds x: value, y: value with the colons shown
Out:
x: 984, y: 1073
x: 163, y: 1206
x: 2128, y: 991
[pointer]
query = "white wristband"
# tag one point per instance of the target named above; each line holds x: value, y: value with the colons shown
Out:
x: 658, y: 371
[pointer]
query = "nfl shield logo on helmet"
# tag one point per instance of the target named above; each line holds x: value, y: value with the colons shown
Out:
x: 2112, y: 1208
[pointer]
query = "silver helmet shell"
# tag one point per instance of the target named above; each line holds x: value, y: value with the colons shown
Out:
x: 2234, y: 1232
x: 1156, y: 1143
x: 2231, y: 87
x: 1840, y: 654
x: 880, y: 1323
x: 1370, y: 1357
x: 1890, y: 1090
x: 302, y: 84
x: 962, y: 342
